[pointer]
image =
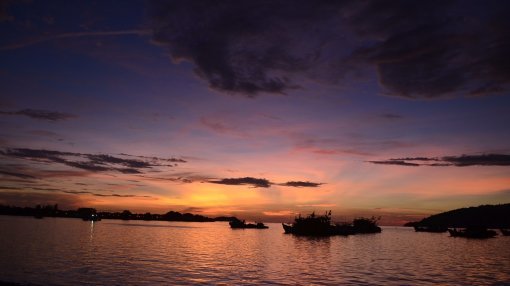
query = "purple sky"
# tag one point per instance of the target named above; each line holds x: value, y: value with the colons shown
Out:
x: 259, y: 109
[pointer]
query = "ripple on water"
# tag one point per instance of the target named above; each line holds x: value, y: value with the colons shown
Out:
x: 73, y: 252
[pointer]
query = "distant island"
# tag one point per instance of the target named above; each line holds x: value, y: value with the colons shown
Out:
x: 53, y: 211
x: 489, y: 216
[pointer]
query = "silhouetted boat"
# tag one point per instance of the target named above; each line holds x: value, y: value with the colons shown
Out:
x: 473, y: 232
x: 365, y: 225
x: 311, y: 225
x: 505, y: 232
x: 437, y: 229
x: 287, y: 228
x: 236, y: 223
x: 91, y: 217
x: 314, y: 225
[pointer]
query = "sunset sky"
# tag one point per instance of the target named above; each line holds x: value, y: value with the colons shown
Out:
x: 259, y: 109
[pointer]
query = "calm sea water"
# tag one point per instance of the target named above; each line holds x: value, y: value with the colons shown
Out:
x: 60, y: 251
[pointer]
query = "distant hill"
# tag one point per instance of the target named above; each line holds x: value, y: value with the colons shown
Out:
x: 491, y: 216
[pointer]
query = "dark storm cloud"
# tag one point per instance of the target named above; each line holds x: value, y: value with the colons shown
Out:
x: 241, y: 46
x: 419, y: 49
x: 459, y: 161
x: 262, y: 183
x: 89, y: 162
x: 437, y: 48
x: 41, y: 114
x: 301, y: 184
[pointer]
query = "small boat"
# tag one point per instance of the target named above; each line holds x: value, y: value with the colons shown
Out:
x: 91, y: 217
x: 236, y: 223
x: 473, y: 232
x: 437, y: 229
x: 505, y: 232
x: 365, y: 225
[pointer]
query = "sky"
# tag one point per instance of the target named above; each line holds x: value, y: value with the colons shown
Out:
x: 259, y: 109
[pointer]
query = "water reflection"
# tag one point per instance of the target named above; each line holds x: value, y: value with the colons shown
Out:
x: 72, y: 252
x: 91, y: 230
x: 153, y: 225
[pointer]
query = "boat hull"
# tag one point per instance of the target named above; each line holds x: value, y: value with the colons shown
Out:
x: 237, y: 224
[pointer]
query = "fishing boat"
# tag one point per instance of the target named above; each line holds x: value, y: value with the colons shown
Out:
x: 320, y: 225
x: 365, y: 225
x: 311, y: 225
x: 236, y: 223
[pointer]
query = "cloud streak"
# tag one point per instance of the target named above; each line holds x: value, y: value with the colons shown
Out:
x: 254, y: 182
x: 262, y: 183
x: 458, y: 161
x: 301, y: 184
x: 91, y: 162
x: 17, y: 175
x: 104, y: 195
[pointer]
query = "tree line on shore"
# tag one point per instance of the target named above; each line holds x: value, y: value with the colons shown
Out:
x: 53, y: 211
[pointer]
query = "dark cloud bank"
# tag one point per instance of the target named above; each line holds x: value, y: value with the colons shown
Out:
x: 419, y: 49
x: 262, y: 183
x: 459, y: 161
